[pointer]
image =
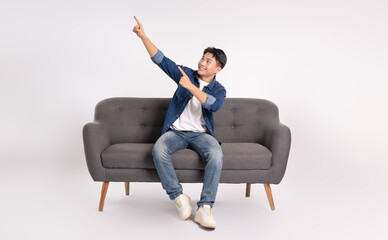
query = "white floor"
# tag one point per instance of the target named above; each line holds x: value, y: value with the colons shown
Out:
x: 45, y: 204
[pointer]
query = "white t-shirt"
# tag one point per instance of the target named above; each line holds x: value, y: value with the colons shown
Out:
x: 191, y: 118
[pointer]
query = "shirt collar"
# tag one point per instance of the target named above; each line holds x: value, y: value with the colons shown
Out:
x: 211, y: 84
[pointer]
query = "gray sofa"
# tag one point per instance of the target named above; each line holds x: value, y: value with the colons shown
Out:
x: 118, y: 143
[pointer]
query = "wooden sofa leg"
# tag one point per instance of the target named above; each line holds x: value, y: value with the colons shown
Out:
x: 104, y: 190
x: 248, y: 190
x: 269, y: 196
x: 127, y: 188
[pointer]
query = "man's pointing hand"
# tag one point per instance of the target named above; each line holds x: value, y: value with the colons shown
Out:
x: 185, y: 81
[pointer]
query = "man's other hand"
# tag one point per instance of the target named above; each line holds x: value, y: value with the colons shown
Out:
x: 138, y: 29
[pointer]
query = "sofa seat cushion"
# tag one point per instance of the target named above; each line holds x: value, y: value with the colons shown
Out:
x: 238, y: 156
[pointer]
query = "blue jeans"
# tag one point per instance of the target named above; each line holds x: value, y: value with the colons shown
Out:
x: 205, y: 145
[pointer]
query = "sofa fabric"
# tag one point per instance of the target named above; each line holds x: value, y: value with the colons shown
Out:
x: 243, y: 156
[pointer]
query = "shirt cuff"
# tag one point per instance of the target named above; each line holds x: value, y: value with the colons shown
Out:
x: 209, y: 101
x: 158, y: 57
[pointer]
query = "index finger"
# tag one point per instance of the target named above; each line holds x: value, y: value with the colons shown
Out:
x: 137, y: 20
x: 183, y: 73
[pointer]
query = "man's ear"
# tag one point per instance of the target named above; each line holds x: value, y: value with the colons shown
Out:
x: 218, y: 69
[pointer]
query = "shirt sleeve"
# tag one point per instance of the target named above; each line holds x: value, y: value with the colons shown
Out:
x: 215, y: 101
x: 158, y: 57
x: 170, y: 67
x: 209, y: 101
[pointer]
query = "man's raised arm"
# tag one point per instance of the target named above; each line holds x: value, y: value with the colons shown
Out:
x: 166, y: 64
x: 139, y: 30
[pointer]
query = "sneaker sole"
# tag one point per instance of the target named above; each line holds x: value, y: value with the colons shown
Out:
x: 206, y: 225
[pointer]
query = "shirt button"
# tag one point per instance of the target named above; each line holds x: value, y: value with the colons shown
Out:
x: 233, y: 110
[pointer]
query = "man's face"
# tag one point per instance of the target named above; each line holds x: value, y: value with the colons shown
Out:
x: 207, y: 65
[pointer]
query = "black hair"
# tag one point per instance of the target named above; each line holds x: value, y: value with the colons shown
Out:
x: 218, y: 54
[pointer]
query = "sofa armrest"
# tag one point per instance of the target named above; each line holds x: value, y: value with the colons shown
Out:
x: 96, y: 139
x: 278, y: 141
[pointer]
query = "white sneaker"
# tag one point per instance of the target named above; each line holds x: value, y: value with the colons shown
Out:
x: 204, y: 217
x: 182, y: 203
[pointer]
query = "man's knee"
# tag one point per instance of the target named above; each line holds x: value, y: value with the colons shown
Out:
x: 216, y: 156
x: 159, y: 150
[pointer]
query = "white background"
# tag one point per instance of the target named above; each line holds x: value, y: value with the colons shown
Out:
x: 324, y: 63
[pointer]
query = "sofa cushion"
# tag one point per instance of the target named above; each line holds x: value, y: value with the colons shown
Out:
x: 139, y: 155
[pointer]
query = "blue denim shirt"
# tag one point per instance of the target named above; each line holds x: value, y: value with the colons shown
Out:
x: 215, y: 92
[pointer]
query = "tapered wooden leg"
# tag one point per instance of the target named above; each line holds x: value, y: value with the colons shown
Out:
x: 104, y: 190
x: 127, y: 188
x: 269, y: 196
x: 248, y: 190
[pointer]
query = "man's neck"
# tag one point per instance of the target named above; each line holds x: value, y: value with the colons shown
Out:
x: 207, y: 79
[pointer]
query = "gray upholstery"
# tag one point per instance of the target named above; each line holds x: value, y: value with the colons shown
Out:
x: 118, y: 143
x: 239, y: 156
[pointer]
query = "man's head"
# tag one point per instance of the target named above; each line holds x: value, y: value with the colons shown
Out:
x: 212, y: 62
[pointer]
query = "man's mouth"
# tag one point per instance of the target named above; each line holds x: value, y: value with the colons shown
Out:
x: 201, y: 68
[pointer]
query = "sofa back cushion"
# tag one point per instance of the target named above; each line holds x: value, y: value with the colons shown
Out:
x: 140, y: 120
x: 245, y: 120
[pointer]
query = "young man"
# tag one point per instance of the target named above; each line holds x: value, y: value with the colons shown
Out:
x: 189, y: 124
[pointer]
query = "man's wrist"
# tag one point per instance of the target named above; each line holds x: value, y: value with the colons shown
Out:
x: 144, y: 38
x: 192, y: 87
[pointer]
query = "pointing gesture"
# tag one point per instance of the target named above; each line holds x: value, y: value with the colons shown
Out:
x: 183, y: 73
x: 185, y: 81
x: 138, y: 29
